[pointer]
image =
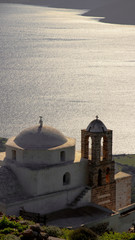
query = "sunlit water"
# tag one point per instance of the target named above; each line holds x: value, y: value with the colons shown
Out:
x: 67, y: 68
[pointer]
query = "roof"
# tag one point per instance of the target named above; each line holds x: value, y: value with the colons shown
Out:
x: 96, y: 126
x: 39, y: 137
x: 121, y: 175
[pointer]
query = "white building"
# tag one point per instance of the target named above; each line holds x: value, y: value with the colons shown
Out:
x: 42, y: 173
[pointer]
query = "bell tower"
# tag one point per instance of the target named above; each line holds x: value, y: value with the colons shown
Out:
x: 96, y: 146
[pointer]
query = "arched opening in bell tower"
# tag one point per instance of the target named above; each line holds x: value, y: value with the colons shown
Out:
x: 90, y: 149
x: 108, y: 175
x: 99, y: 177
x: 101, y: 148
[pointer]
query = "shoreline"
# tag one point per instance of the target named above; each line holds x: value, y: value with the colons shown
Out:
x: 111, y: 11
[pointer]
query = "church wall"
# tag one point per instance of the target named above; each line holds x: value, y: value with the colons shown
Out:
x: 19, y: 153
x: 123, y: 192
x: 26, y: 177
x: 51, y: 179
x: 51, y: 156
x: 45, y: 204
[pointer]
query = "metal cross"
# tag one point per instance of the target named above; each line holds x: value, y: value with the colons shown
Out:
x: 41, y: 121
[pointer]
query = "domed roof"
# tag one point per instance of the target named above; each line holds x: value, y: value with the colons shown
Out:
x: 40, y: 137
x: 96, y: 126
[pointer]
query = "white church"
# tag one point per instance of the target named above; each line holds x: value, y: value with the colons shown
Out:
x: 42, y: 172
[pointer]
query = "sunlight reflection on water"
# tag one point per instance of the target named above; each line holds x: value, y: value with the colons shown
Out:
x: 67, y: 68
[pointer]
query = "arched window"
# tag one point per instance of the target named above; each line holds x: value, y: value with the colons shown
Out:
x: 101, y: 149
x: 62, y: 156
x: 13, y: 154
x: 66, y: 178
x: 108, y: 175
x: 105, y: 148
x: 99, y: 177
x: 90, y: 149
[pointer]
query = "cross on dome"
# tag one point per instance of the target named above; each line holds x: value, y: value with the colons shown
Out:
x: 41, y: 121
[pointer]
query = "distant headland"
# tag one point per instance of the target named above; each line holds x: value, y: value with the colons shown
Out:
x: 110, y: 11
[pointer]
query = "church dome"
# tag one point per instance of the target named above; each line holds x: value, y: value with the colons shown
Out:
x: 40, y: 137
x: 96, y: 126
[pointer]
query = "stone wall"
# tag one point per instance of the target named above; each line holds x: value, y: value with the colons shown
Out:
x: 105, y: 195
x: 123, y: 190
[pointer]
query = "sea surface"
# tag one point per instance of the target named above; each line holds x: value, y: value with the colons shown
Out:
x: 67, y: 68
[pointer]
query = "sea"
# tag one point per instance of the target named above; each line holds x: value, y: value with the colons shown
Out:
x: 67, y: 68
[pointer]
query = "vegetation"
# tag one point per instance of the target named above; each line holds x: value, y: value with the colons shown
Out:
x: 9, y: 237
x: 53, y: 231
x: 2, y: 144
x: 57, y: 232
x: 82, y: 233
x: 13, y: 228
x: 125, y: 159
x: 117, y: 236
x: 10, y: 226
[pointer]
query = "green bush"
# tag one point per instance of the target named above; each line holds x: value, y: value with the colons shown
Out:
x: 7, y: 230
x: 65, y: 233
x: 100, y: 229
x: 53, y: 231
x: 8, y: 226
x: 9, y: 237
x: 118, y: 236
x: 82, y: 233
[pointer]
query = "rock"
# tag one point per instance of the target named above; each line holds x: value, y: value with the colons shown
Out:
x: 23, y: 222
x: 36, y: 227
x: 28, y: 234
x: 36, y: 234
x: 44, y: 236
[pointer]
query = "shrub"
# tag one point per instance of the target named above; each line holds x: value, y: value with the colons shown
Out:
x: 100, y: 229
x: 9, y: 237
x: 53, y: 231
x: 7, y: 230
x: 82, y: 233
x: 118, y: 236
x: 65, y: 233
x: 8, y: 226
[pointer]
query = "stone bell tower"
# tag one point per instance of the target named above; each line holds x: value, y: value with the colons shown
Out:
x: 100, y: 165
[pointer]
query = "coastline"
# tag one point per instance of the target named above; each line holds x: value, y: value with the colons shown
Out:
x: 111, y: 11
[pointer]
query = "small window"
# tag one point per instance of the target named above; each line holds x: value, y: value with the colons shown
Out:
x: 13, y: 154
x: 62, y: 156
x: 99, y: 177
x: 108, y: 175
x: 66, y: 179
